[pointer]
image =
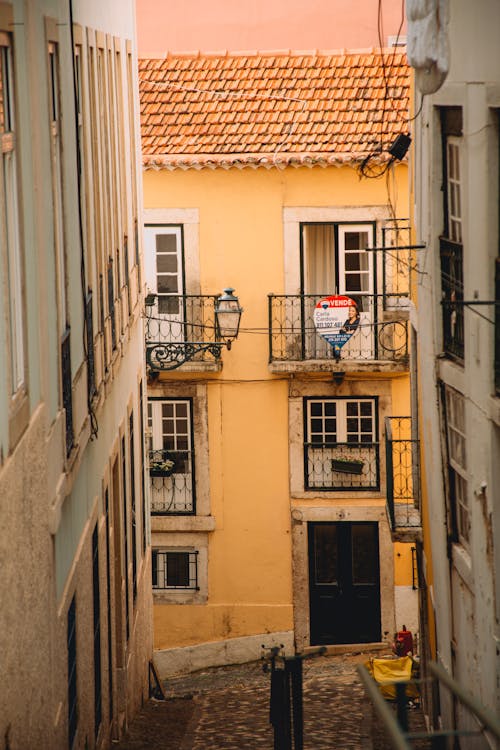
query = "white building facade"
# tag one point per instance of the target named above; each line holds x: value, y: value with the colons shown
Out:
x: 457, y: 129
x: 75, y: 577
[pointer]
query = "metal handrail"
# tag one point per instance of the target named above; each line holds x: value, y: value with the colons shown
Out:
x: 488, y: 719
x: 394, y: 724
x: 386, y: 714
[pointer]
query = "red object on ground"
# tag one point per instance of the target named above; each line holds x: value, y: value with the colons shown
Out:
x: 404, y: 640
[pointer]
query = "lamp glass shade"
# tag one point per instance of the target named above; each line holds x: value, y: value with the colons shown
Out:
x: 228, y: 314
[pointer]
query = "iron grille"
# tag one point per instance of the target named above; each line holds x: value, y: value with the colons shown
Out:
x: 172, y: 482
x: 111, y: 302
x: 293, y: 335
x: 174, y: 569
x: 452, y: 288
x: 67, y: 396
x: 195, y: 322
x: 89, y: 330
x: 402, y: 462
x: 341, y: 466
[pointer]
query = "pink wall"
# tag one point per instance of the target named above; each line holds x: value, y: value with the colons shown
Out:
x: 236, y: 25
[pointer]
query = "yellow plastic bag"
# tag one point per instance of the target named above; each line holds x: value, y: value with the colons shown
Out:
x: 388, y: 671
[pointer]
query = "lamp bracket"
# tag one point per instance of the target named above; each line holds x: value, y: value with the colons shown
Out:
x: 173, y: 354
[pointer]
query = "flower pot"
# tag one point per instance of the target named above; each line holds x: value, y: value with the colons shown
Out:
x: 347, y: 467
x: 160, y: 472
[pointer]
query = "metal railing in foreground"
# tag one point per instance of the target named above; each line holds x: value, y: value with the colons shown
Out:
x: 478, y: 723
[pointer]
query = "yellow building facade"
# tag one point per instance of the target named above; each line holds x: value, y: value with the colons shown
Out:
x: 257, y: 539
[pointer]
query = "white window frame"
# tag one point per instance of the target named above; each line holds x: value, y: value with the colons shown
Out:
x: 9, y: 217
x: 152, y: 257
x: 340, y: 441
x: 57, y: 181
x: 180, y: 487
x: 457, y: 460
x: 341, y: 434
x: 453, y: 188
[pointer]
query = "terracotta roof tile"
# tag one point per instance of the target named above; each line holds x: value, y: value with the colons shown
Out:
x: 260, y: 110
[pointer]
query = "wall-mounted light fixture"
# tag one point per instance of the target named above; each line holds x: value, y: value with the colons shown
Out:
x: 170, y: 354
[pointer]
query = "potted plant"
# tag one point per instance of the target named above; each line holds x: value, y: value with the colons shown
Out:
x: 347, y: 465
x: 161, y: 468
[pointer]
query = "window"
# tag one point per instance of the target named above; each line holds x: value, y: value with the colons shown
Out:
x: 72, y: 676
x: 457, y: 464
x: 9, y: 215
x: 451, y: 249
x: 57, y: 189
x: 97, y: 632
x: 453, y: 190
x: 171, y: 456
x: 341, y: 449
x: 164, y: 268
x: 175, y: 569
x: 335, y: 261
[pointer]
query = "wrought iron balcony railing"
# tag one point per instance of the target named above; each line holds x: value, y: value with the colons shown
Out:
x: 67, y: 389
x: 341, y: 466
x: 181, y: 319
x: 403, y: 482
x: 172, y: 482
x: 452, y: 287
x: 293, y: 336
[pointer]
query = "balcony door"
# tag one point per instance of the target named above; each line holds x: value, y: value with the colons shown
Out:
x: 170, y: 426
x: 164, y: 265
x: 344, y: 582
x: 335, y: 261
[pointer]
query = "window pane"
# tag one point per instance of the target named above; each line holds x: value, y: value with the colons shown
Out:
x: 168, y: 305
x: 363, y: 553
x: 315, y: 409
x: 177, y: 569
x: 326, y: 555
x: 330, y: 409
x: 166, y: 263
x: 167, y: 284
x: 317, y: 425
x: 166, y: 243
x: 181, y: 409
x: 330, y: 426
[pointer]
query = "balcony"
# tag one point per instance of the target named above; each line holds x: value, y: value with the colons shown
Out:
x: 452, y: 287
x: 181, y: 328
x: 379, y: 343
x: 403, y: 481
x: 172, y: 482
x: 334, y: 467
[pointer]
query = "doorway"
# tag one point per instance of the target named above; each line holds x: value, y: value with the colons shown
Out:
x: 344, y: 582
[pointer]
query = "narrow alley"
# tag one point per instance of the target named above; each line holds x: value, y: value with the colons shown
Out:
x: 227, y: 708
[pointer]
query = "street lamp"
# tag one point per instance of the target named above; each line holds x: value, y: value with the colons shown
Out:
x: 228, y: 316
x: 169, y: 355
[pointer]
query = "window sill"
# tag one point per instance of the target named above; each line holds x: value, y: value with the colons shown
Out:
x: 182, y: 523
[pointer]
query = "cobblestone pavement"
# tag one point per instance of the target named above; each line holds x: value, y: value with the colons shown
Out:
x: 227, y: 708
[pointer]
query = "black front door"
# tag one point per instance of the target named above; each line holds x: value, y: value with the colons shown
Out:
x: 344, y: 582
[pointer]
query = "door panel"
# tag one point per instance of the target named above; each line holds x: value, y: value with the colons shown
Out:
x: 164, y: 276
x: 344, y: 582
x: 356, y: 279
